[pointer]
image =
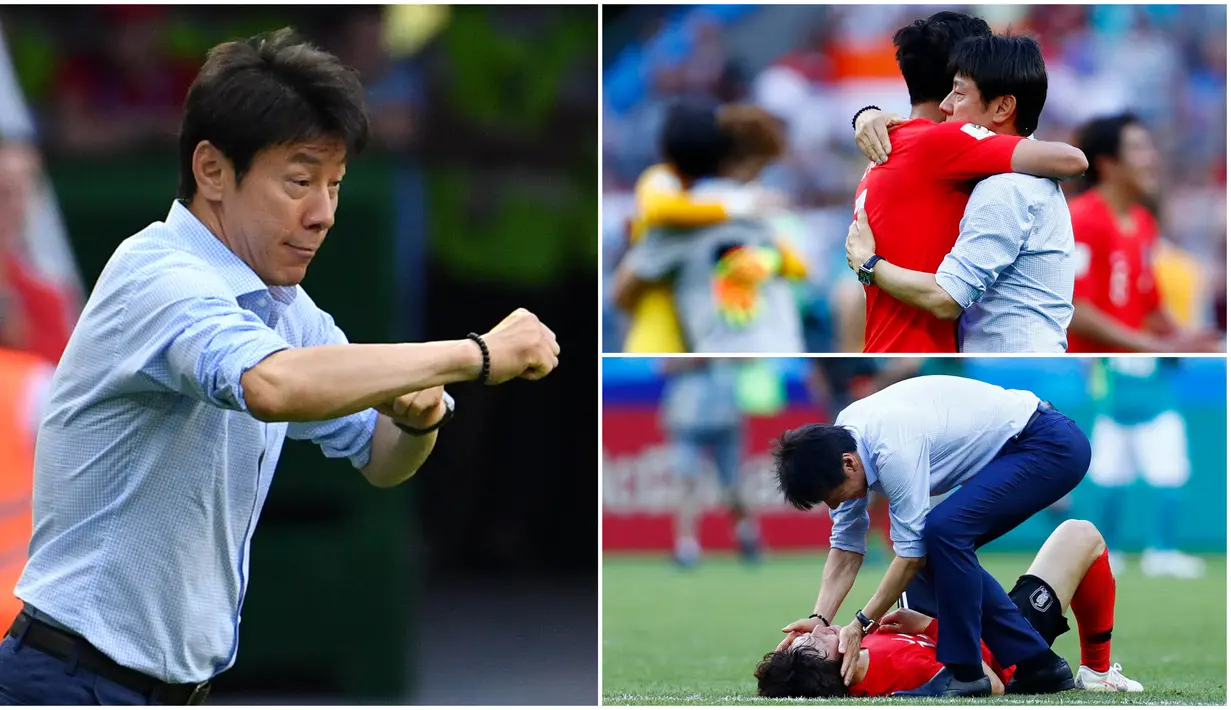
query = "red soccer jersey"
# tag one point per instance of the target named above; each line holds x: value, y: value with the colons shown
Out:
x: 1114, y: 270
x: 914, y: 204
x: 905, y: 662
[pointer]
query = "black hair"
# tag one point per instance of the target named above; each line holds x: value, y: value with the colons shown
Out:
x: 1006, y: 65
x: 273, y: 89
x: 799, y: 673
x: 808, y: 462
x: 925, y: 49
x: 1101, y: 138
x: 692, y: 141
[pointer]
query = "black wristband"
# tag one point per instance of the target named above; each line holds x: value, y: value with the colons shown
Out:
x: 857, y: 113
x: 487, y: 357
x: 423, y: 432
x: 818, y: 616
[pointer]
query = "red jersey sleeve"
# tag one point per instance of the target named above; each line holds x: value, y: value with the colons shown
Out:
x: 963, y: 151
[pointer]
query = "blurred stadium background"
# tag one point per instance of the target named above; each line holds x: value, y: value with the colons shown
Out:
x: 476, y: 197
x: 814, y: 66
x: 693, y: 636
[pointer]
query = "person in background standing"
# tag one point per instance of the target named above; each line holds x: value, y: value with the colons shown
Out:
x: 1139, y: 431
x: 701, y: 416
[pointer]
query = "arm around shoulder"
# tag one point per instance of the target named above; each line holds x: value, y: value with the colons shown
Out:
x: 1049, y: 159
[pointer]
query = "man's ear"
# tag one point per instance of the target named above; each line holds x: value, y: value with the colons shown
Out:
x: 211, y: 169
x: 1005, y: 109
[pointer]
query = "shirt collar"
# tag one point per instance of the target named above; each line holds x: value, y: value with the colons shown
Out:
x: 237, y: 275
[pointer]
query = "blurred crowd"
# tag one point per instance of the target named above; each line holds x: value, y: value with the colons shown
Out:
x: 813, y: 67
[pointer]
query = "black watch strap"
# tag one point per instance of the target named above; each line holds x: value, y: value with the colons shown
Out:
x: 864, y: 621
x: 818, y: 616
x: 865, y: 270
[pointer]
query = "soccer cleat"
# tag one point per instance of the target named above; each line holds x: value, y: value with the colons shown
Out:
x: 1054, y: 678
x: 1111, y: 681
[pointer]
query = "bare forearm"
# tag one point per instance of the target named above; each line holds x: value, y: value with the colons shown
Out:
x: 319, y: 383
x: 396, y: 456
x: 917, y: 288
x: 841, y: 568
x: 899, y: 575
x: 1088, y: 321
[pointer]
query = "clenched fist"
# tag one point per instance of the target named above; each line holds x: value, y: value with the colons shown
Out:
x: 521, y: 346
x: 418, y: 410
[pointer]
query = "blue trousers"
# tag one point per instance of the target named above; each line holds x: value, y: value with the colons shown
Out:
x: 1031, y: 472
x: 30, y: 677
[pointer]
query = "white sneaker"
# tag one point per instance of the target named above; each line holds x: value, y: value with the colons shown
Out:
x: 1113, y: 681
x: 1171, y: 563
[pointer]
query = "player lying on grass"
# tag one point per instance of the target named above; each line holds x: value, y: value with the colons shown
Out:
x: 1071, y: 569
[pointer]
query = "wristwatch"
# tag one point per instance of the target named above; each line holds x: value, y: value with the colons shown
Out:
x: 865, y: 270
x: 864, y: 621
x: 448, y: 399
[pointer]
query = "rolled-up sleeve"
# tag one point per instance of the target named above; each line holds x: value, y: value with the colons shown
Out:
x: 181, y: 336
x: 905, y: 477
x: 997, y: 221
x: 349, y: 436
x: 850, y: 526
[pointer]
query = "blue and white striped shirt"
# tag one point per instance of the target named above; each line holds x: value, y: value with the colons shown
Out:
x: 1012, y: 267
x: 149, y: 473
x: 920, y: 438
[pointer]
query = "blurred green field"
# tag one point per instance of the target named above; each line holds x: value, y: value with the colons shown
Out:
x: 673, y: 637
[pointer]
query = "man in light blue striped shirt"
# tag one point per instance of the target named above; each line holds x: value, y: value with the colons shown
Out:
x: 1009, y: 277
x: 1011, y: 454
x: 197, y: 355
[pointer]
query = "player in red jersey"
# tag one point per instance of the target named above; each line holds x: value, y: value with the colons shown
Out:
x: 1071, y: 569
x: 1116, y: 301
x: 922, y: 191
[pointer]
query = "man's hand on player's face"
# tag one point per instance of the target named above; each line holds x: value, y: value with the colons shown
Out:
x: 849, y: 640
x: 795, y: 630
x: 860, y: 242
x: 905, y: 621
x: 872, y: 133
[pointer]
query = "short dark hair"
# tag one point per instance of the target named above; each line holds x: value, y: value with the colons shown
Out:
x: 1006, y: 65
x: 808, y: 462
x: 692, y: 141
x: 273, y: 89
x: 1101, y: 138
x: 925, y: 50
x: 799, y: 673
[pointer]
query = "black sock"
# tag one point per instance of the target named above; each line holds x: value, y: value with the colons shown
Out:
x: 1036, y: 662
x: 965, y: 672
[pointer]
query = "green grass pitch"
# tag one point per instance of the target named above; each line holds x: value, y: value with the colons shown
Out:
x: 693, y: 637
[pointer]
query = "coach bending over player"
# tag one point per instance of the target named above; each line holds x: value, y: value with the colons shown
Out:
x: 1012, y: 455
x: 196, y: 356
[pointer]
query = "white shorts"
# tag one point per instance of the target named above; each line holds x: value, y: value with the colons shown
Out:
x: 1157, y: 449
